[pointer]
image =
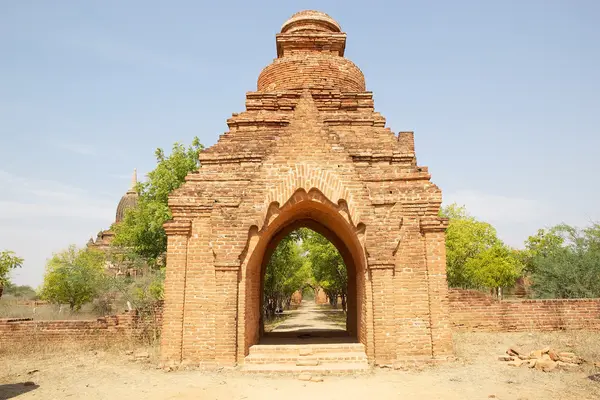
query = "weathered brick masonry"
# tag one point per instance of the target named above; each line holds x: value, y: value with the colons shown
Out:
x: 309, y: 151
x: 471, y: 310
x: 26, y: 330
x: 128, y: 325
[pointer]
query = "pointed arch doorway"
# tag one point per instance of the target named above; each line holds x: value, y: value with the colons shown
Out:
x: 314, y: 211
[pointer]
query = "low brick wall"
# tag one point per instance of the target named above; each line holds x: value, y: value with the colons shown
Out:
x: 471, y: 310
x: 23, y: 330
x: 128, y: 325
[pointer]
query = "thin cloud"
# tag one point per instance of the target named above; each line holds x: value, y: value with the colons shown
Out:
x: 17, y: 210
x: 27, y: 198
x: 39, y: 217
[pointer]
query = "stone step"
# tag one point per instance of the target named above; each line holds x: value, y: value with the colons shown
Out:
x: 306, y: 349
x: 307, y: 362
x: 323, y: 369
x: 330, y: 357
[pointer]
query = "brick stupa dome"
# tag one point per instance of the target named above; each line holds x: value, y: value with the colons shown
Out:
x: 310, y: 20
x: 310, y: 55
x: 129, y: 199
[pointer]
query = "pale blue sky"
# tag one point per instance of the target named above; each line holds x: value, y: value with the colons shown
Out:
x: 503, y: 97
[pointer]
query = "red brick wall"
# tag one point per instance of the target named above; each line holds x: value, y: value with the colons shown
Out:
x: 471, y: 310
x: 22, y: 330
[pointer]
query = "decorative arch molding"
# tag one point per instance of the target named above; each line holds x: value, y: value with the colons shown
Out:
x: 299, y: 195
x: 311, y: 177
x: 315, y: 211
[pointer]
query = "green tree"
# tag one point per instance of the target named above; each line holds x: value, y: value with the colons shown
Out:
x: 74, y: 277
x: 21, y: 291
x: 475, y: 256
x: 142, y: 228
x: 8, y: 262
x: 140, y: 293
x: 567, y: 262
x: 286, y: 272
x: 298, y: 280
x: 328, y: 267
x: 545, y: 243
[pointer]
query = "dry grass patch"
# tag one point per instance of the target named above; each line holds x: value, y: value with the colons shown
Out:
x: 11, y: 308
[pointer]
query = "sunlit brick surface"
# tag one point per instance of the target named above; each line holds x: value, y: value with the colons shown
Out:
x: 309, y: 151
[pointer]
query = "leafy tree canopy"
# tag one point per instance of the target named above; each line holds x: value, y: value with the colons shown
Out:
x: 142, y: 228
x: 545, y: 243
x: 326, y: 262
x: 327, y: 265
x: 74, y: 277
x: 475, y: 256
x: 287, y: 271
x: 565, y: 262
x: 21, y: 291
x: 8, y: 262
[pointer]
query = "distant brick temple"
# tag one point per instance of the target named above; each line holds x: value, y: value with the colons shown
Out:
x: 309, y: 151
x: 105, y: 238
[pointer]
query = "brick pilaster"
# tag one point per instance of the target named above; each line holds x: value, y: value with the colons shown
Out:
x: 382, y: 283
x: 200, y: 303
x: 435, y: 252
x: 411, y: 293
x: 226, y: 318
x: 175, y: 276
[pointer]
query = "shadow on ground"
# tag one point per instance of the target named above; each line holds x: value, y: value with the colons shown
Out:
x: 308, y: 336
x: 12, y: 390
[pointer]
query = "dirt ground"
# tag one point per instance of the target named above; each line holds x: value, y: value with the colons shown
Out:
x: 70, y: 373
x: 310, y: 316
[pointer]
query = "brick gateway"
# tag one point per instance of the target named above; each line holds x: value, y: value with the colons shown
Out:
x: 309, y: 151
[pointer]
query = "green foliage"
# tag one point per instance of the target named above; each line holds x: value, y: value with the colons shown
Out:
x: 8, y: 262
x: 308, y: 293
x: 20, y: 291
x: 141, y: 292
x: 286, y: 272
x: 74, y: 277
x: 545, y: 243
x: 327, y: 265
x: 565, y: 262
x: 142, y: 228
x: 475, y: 256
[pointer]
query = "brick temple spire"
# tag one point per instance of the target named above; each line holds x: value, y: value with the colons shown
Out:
x: 129, y: 199
x: 132, y: 188
x: 310, y: 54
x: 309, y: 150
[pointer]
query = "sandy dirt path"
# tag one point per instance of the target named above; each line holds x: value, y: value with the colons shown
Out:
x: 96, y: 375
x: 309, y: 316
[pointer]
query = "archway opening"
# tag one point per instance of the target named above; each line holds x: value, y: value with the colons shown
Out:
x: 314, y: 211
x: 305, y: 289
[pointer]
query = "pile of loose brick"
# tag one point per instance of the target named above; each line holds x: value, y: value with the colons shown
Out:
x: 546, y: 359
